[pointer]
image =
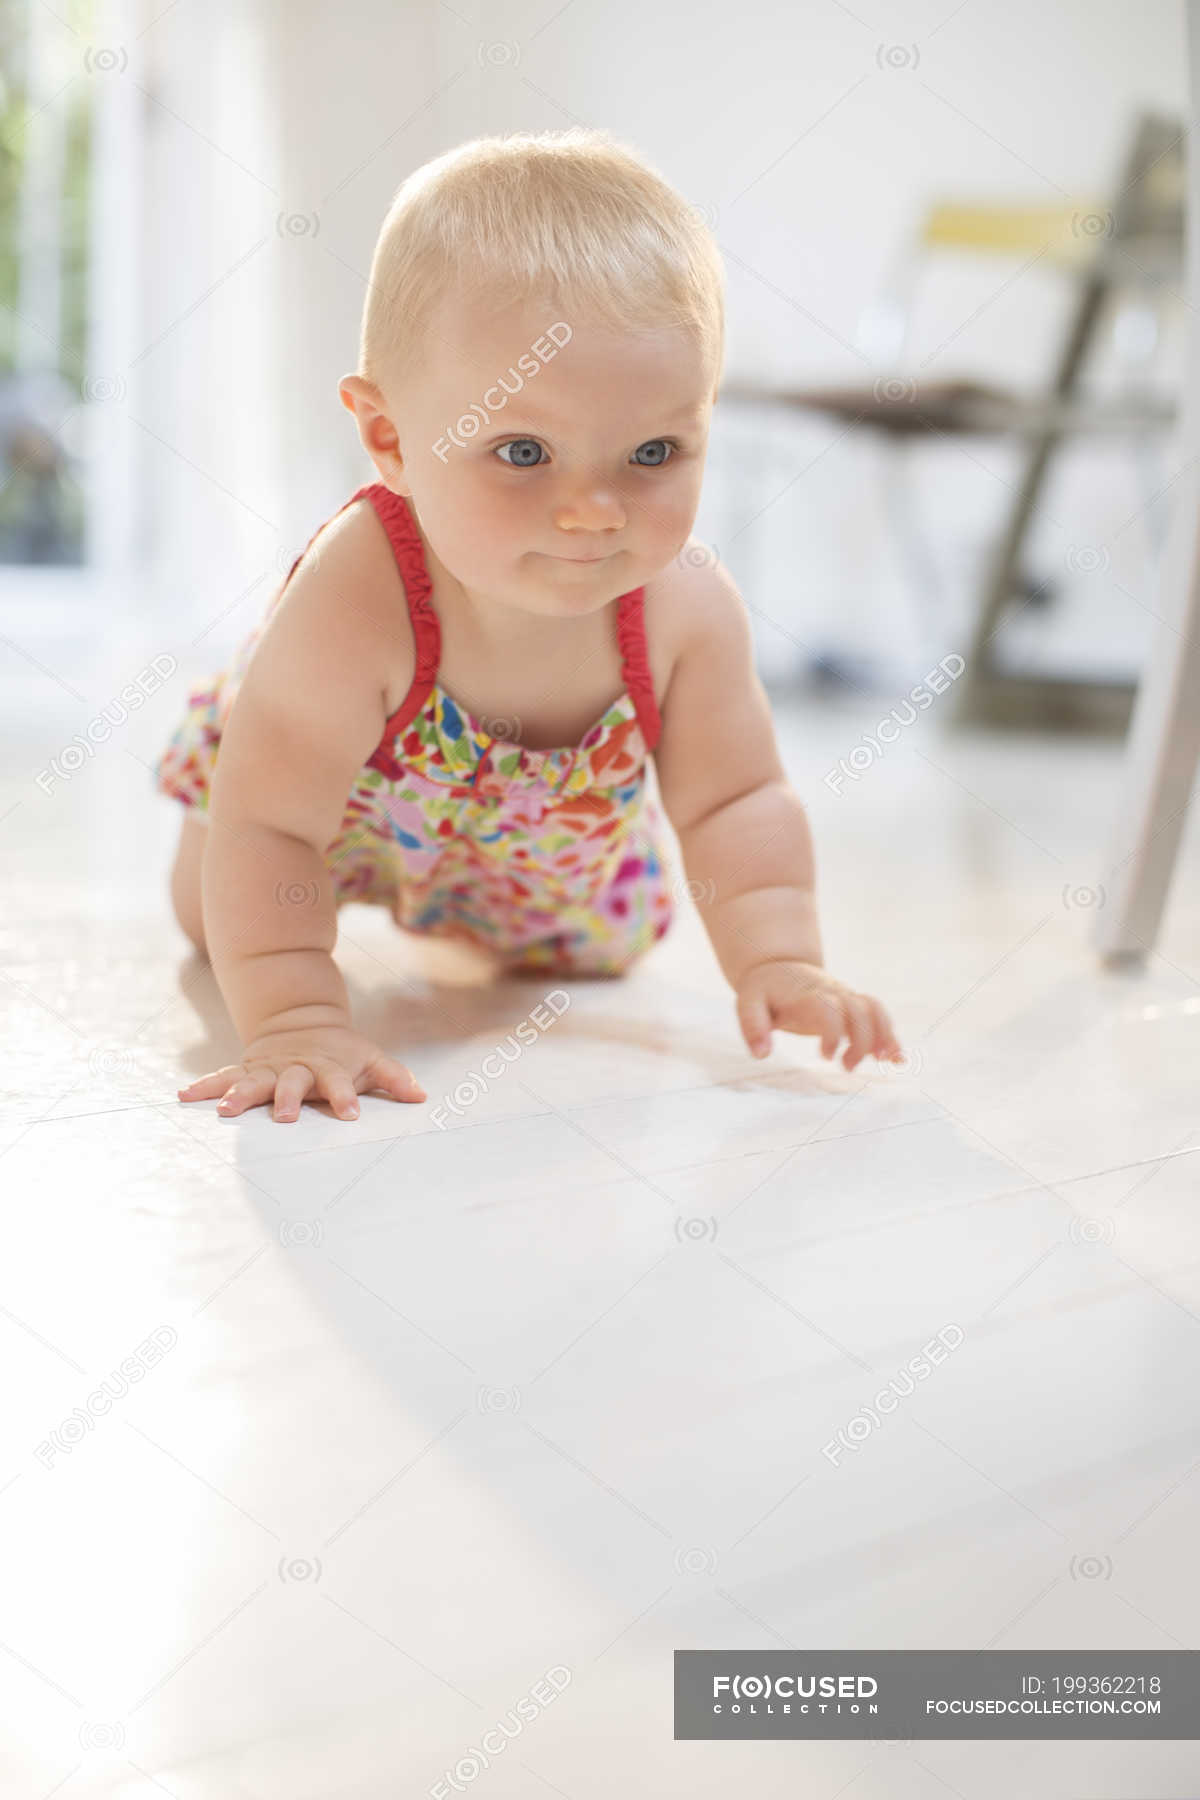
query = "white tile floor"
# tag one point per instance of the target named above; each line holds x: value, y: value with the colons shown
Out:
x: 440, y: 1410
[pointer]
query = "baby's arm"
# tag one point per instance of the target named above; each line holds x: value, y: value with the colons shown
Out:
x: 309, y: 712
x: 744, y: 834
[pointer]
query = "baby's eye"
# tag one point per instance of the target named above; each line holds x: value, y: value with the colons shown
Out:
x: 522, y: 446
x: 660, y: 447
x: 527, y: 453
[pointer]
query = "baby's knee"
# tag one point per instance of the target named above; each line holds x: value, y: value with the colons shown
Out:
x: 571, y: 966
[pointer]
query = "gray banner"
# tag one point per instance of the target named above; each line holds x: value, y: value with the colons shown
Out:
x: 901, y: 1694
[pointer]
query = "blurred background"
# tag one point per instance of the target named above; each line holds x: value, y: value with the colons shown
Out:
x: 953, y: 254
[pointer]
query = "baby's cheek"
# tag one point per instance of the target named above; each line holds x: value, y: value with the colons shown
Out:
x: 674, y: 527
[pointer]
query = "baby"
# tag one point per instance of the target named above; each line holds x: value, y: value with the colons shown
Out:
x: 426, y: 719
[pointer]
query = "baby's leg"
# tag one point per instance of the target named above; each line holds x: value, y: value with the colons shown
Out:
x: 559, y: 956
x: 566, y: 970
x: 185, y: 876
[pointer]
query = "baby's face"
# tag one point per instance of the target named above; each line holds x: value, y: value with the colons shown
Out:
x: 573, y: 482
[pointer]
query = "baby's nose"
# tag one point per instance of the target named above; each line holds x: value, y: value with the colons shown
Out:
x: 591, y: 507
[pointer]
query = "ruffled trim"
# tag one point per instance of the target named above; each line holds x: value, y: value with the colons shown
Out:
x: 631, y: 641
x: 396, y: 518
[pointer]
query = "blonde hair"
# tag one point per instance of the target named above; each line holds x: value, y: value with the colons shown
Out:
x: 572, y: 215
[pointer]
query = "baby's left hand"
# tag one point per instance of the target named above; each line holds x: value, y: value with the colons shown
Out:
x: 802, y: 997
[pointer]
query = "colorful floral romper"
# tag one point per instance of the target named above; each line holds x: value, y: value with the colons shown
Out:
x: 552, y: 858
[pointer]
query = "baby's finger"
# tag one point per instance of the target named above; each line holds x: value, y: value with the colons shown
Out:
x: 831, y: 1035
x: 207, y: 1087
x: 392, y: 1078
x: 885, y: 1046
x: 860, y: 1024
x: 754, y: 1017
x: 336, y: 1087
x: 290, y: 1090
x: 248, y: 1091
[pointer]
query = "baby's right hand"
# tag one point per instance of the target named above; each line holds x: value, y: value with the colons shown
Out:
x: 324, y: 1062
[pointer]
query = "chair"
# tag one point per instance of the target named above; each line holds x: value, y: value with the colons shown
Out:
x: 1135, y: 243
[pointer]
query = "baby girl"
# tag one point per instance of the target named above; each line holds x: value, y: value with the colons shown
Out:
x: 425, y: 719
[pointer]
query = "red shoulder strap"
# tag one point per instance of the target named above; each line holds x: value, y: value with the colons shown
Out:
x: 635, y: 663
x: 397, y: 520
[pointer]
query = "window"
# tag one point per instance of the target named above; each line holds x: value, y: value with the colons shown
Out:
x: 46, y: 91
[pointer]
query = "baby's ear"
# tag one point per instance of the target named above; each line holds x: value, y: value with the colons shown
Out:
x: 351, y: 387
x: 379, y: 438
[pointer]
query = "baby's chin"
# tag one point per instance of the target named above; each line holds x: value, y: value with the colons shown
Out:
x: 565, y: 589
